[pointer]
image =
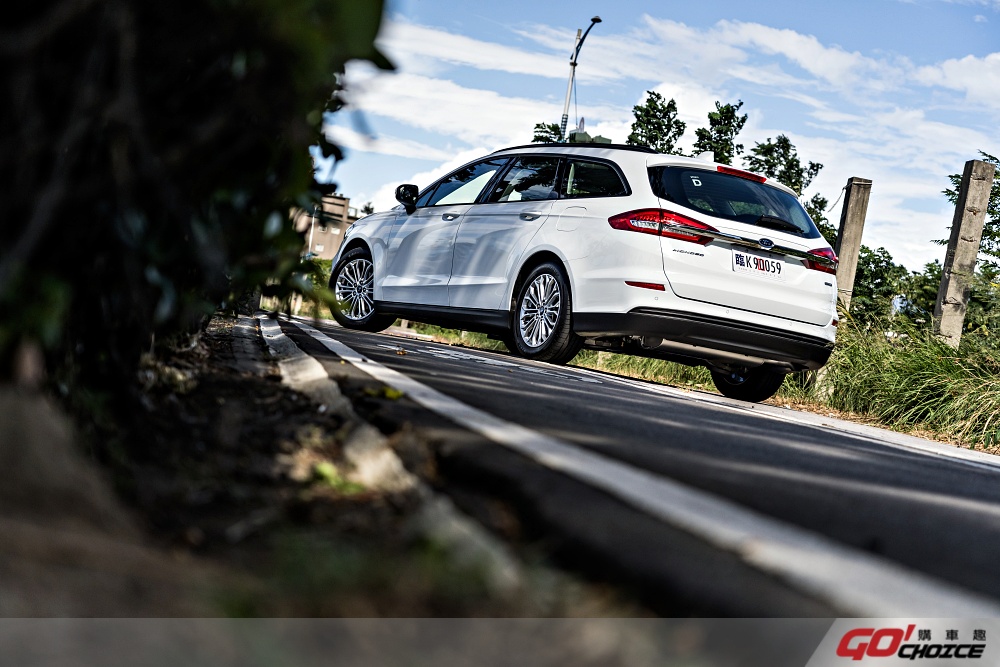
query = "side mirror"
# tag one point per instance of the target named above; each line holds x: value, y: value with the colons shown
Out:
x: 406, y: 195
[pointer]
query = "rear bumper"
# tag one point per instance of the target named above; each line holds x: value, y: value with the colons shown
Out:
x: 700, y: 337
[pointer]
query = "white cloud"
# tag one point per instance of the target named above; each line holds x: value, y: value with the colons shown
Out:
x: 979, y: 18
x: 830, y: 64
x: 385, y: 197
x: 383, y: 145
x: 990, y: 4
x: 977, y: 78
x: 418, y: 46
x: 471, y: 115
x: 474, y: 116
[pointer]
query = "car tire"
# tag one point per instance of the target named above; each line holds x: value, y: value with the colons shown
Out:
x: 541, y: 319
x: 753, y: 385
x: 353, y: 285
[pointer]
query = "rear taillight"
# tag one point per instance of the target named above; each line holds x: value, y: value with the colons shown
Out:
x: 828, y: 266
x: 662, y: 223
x: 749, y: 175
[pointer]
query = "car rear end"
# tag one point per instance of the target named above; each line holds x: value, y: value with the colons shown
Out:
x: 744, y: 276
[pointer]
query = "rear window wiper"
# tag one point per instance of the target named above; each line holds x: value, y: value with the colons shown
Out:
x: 777, y: 223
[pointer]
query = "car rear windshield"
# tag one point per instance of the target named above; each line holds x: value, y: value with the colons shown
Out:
x: 732, y: 198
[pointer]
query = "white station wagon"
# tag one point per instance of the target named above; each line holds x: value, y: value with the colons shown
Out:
x: 556, y: 247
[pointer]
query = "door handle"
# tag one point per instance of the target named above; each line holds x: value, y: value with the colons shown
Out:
x: 449, y: 216
x: 530, y: 215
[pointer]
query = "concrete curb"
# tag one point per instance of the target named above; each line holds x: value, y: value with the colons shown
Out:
x: 376, y: 466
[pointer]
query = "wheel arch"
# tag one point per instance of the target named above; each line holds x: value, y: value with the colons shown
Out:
x: 351, y: 245
x: 538, y: 257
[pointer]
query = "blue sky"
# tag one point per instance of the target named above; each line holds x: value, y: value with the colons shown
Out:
x: 901, y: 92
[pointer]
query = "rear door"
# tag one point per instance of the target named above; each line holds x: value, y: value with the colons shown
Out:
x: 493, y: 234
x: 733, y: 273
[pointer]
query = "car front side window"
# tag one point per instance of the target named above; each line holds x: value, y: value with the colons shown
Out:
x: 464, y: 185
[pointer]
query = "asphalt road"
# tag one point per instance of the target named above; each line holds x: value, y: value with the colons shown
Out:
x: 931, y: 513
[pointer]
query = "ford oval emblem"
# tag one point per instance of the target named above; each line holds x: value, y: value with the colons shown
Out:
x: 766, y: 243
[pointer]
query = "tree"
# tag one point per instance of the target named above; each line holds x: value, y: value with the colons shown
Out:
x: 656, y: 125
x: 877, y: 284
x: 991, y: 229
x: 546, y: 133
x: 719, y: 138
x: 367, y: 209
x: 778, y: 159
x: 816, y: 208
x: 152, y: 152
x: 919, y: 292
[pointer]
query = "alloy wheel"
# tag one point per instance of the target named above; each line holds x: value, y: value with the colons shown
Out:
x: 538, y: 313
x: 355, y: 287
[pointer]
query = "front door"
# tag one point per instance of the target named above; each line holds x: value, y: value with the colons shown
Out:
x: 420, y: 247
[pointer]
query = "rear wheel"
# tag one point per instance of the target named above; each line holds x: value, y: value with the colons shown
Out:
x: 542, y: 326
x: 353, y: 285
x: 754, y: 385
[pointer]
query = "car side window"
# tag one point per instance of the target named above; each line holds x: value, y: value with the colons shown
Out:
x: 529, y: 178
x: 591, y: 179
x: 464, y: 185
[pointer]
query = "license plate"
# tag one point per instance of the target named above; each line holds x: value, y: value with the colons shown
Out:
x: 759, y: 264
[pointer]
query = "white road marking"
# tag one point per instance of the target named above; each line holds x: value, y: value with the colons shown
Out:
x: 891, y: 439
x: 453, y: 354
x: 855, y: 582
x: 885, y: 437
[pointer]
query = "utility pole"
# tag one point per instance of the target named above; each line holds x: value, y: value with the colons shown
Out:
x: 312, y: 229
x: 963, y: 249
x: 852, y: 224
x: 577, y: 45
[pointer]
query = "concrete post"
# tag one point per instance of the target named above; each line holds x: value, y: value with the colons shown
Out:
x: 963, y: 249
x: 852, y: 223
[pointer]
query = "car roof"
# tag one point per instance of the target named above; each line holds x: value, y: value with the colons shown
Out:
x: 568, y: 146
x: 648, y: 157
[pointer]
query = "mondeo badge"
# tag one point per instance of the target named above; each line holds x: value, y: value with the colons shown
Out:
x: 766, y: 243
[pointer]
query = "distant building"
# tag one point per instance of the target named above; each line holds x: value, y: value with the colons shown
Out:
x: 324, y: 227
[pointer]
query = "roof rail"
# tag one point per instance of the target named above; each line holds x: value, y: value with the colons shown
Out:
x: 623, y: 147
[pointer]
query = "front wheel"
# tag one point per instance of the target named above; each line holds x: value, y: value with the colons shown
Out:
x: 353, y: 285
x: 542, y: 327
x: 753, y: 385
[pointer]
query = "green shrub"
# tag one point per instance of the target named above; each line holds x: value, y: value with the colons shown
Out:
x: 907, y: 378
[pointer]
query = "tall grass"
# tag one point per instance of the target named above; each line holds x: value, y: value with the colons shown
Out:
x: 655, y: 370
x: 906, y: 378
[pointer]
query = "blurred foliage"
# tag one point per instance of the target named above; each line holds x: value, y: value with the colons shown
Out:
x: 151, y: 153
x: 719, y: 138
x: 656, y: 125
